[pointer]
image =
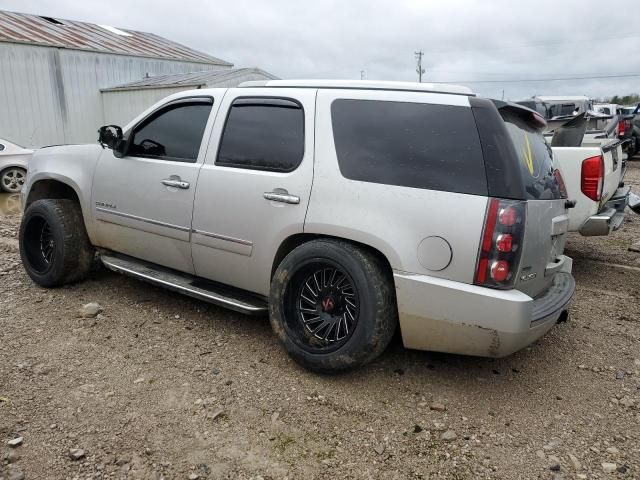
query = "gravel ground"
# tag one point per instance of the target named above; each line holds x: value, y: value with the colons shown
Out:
x: 162, y: 386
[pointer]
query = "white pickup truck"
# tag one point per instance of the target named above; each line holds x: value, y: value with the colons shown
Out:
x: 593, y: 171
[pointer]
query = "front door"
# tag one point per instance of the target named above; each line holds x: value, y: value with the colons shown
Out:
x: 255, y: 184
x: 143, y: 202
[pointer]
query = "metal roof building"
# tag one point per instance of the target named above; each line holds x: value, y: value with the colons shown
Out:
x: 123, y: 102
x: 54, y: 74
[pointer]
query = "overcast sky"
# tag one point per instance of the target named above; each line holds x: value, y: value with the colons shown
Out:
x: 463, y: 41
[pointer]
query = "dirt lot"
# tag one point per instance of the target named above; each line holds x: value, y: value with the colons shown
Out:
x: 162, y: 386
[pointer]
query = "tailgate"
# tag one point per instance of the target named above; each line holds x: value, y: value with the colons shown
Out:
x: 546, y: 229
x: 613, y: 168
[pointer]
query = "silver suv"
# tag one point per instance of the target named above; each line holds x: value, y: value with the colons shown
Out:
x: 343, y: 209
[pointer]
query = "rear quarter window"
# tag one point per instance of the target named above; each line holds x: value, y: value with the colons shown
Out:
x: 535, y: 159
x: 414, y: 145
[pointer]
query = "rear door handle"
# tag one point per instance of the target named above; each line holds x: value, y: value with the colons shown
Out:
x: 281, y: 195
x: 176, y: 182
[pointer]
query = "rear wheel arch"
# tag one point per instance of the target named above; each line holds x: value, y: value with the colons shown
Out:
x: 294, y: 241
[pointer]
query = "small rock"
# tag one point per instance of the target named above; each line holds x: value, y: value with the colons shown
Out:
x: 215, y: 371
x: 554, y: 463
x: 622, y: 469
x: 379, y: 449
x: 417, y: 429
x: 138, y: 380
x: 609, y: 467
x: 76, y: 454
x: 582, y: 366
x: 16, y: 442
x: 11, y: 456
x: 636, y: 362
x: 613, y: 451
x: 193, y: 476
x: 90, y: 310
x: 15, y: 474
x: 215, y: 414
x: 540, y: 454
x: 275, y: 416
x: 620, y: 374
x: 575, y: 463
x: 553, y: 444
x: 449, y: 436
x: 53, y: 426
x: 437, y: 407
x: 627, y: 402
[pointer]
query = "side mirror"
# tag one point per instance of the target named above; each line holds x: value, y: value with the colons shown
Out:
x: 110, y: 136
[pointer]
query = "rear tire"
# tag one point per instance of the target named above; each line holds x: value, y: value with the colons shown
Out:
x: 54, y: 246
x: 333, y: 305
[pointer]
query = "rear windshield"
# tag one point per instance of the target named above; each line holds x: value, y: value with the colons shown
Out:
x: 417, y: 145
x: 535, y: 158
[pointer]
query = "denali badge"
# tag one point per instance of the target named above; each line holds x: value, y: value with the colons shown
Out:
x: 106, y: 205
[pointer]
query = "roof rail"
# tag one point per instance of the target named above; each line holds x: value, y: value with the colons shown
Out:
x: 362, y: 85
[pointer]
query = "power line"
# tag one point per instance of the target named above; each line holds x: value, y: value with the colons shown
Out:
x: 525, y: 80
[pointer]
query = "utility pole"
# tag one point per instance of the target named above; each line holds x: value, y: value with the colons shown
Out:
x: 419, y: 54
x: 361, y: 74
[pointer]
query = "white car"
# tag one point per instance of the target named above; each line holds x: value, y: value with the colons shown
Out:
x: 13, y: 166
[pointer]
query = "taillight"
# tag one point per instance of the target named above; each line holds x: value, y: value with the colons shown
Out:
x: 592, y: 177
x: 621, y: 128
x: 561, y: 185
x: 500, y: 248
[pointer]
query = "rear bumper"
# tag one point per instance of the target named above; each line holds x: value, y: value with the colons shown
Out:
x: 609, y: 218
x: 446, y: 316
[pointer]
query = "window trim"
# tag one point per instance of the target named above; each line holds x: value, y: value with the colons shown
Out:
x: 196, y: 100
x: 262, y: 169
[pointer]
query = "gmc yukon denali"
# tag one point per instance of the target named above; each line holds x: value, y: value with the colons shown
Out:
x: 341, y: 209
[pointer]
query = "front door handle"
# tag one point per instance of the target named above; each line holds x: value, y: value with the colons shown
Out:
x: 176, y: 182
x: 281, y: 195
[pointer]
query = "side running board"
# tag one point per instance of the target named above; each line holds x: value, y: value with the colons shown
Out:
x: 212, y: 292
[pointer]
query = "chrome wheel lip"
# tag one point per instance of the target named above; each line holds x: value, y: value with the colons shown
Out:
x: 13, y: 179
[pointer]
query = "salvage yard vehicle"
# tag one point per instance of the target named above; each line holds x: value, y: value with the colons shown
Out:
x: 14, y: 160
x: 340, y: 208
x: 593, y: 171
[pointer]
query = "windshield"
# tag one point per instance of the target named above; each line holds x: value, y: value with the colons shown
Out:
x: 535, y: 158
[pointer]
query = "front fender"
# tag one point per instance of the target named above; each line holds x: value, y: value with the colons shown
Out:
x: 73, y: 166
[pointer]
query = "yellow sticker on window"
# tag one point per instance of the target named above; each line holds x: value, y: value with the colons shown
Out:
x: 528, y: 156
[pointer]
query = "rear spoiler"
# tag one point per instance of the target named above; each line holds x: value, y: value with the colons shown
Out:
x: 531, y: 117
x: 571, y: 133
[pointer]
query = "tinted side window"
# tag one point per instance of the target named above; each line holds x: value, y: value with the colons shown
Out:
x: 409, y: 144
x: 263, y: 134
x: 173, y: 133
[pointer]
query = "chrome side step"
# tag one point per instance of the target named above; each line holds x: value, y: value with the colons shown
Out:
x: 212, y: 292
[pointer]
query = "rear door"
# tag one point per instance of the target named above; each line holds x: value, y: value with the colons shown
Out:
x: 547, y: 220
x: 254, y: 188
x: 143, y: 201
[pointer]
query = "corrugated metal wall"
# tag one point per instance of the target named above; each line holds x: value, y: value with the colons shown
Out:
x: 52, y: 96
x: 120, y: 107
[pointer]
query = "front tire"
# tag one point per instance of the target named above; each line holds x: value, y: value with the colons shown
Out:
x: 54, y: 246
x: 333, y: 305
